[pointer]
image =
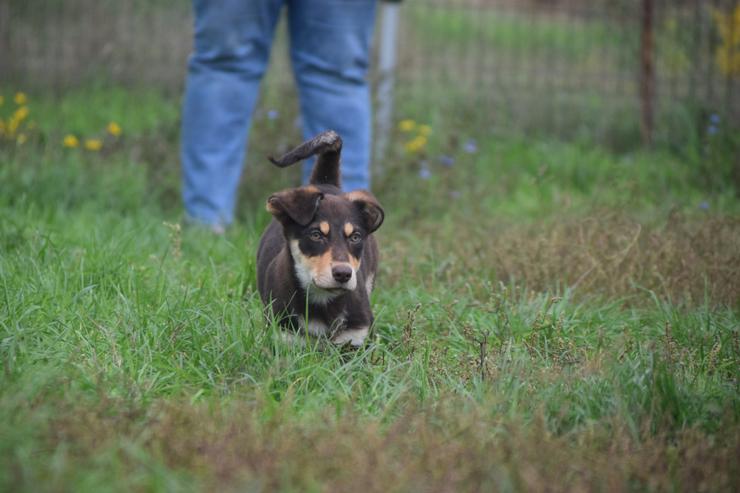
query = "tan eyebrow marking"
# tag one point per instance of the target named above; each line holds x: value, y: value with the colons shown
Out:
x: 348, y: 229
x: 356, y: 195
x: 324, y: 227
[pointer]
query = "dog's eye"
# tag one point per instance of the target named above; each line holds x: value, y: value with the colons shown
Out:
x: 355, y: 237
x: 316, y: 235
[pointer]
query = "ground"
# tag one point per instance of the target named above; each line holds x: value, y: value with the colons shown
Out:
x: 550, y: 316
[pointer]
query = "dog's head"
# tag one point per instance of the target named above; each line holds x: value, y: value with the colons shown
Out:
x: 326, y: 234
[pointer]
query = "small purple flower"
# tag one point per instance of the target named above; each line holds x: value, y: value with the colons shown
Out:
x: 446, y: 160
x: 272, y: 114
x: 704, y: 205
x: 471, y: 146
x: 424, y: 172
x: 712, y: 130
x: 714, y: 118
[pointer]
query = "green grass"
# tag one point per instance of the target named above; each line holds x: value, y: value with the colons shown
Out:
x: 549, y: 316
x: 508, y: 32
x: 87, y: 111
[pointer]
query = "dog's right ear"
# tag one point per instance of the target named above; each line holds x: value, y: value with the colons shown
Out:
x: 296, y: 205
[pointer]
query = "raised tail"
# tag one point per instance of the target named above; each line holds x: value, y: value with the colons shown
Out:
x: 328, y: 146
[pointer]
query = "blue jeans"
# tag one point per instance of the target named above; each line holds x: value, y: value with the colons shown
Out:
x: 330, y: 44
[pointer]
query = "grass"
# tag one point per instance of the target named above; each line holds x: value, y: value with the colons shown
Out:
x: 550, y: 316
x: 514, y: 31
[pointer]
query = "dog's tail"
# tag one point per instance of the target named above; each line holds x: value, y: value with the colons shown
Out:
x: 328, y: 146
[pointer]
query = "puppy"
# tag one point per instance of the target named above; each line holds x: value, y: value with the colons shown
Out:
x: 317, y: 259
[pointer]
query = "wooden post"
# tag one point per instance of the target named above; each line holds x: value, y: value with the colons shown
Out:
x: 5, y: 49
x: 647, y: 72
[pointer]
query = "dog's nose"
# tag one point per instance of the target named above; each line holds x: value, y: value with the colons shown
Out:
x: 341, y: 273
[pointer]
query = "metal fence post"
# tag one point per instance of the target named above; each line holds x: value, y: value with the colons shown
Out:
x: 386, y: 76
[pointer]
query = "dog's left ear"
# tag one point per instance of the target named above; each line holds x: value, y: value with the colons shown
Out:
x: 297, y: 204
x: 372, y: 212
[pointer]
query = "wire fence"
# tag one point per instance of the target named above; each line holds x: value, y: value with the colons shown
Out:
x: 620, y: 72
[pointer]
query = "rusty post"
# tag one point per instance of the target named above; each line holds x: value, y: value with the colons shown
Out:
x: 647, y: 72
x: 5, y: 48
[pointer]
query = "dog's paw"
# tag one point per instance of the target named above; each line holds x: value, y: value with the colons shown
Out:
x: 352, y: 337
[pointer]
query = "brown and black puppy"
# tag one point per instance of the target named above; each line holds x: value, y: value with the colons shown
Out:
x: 317, y: 259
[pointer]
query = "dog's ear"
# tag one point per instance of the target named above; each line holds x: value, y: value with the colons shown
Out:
x: 372, y: 212
x: 298, y: 205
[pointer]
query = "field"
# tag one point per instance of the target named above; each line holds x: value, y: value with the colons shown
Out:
x: 550, y: 316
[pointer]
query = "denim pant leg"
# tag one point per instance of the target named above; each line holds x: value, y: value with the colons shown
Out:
x: 330, y: 42
x: 232, y: 47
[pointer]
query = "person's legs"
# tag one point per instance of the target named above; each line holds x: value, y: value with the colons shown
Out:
x: 232, y: 48
x: 330, y: 50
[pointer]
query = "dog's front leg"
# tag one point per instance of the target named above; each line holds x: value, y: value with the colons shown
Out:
x: 353, y: 337
x: 357, y: 324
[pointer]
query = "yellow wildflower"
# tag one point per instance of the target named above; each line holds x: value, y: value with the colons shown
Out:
x: 70, y: 141
x: 425, y: 130
x: 93, y: 144
x: 406, y: 125
x: 727, y: 54
x: 13, y: 124
x: 416, y: 144
x: 22, y: 138
x: 20, y: 98
x: 21, y: 113
x: 114, y: 129
x: 728, y: 60
x: 727, y: 25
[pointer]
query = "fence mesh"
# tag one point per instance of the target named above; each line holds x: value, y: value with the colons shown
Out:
x: 608, y: 71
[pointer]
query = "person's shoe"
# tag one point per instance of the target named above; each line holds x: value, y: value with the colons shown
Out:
x: 215, y: 228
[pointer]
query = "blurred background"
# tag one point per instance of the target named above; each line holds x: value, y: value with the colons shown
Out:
x: 622, y: 74
x: 618, y: 71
